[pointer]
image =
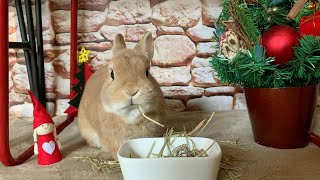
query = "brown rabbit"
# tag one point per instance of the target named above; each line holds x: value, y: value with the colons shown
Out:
x: 108, y: 112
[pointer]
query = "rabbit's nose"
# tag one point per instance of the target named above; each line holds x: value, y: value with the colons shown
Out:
x: 133, y: 92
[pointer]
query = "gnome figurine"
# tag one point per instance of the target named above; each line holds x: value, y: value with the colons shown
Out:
x: 46, y: 144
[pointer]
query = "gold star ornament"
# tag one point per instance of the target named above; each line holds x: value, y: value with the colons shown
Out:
x: 83, y: 55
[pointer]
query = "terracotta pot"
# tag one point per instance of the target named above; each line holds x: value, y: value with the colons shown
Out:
x: 281, y: 117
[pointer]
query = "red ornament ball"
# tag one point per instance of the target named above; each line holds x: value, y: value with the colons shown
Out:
x: 279, y: 42
x: 310, y: 25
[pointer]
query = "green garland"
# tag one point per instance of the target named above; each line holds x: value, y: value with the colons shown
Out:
x: 257, y: 17
x: 268, y: 13
x: 252, y: 70
x: 249, y: 24
x: 249, y: 71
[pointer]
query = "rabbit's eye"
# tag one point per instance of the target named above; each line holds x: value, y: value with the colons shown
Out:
x: 112, y: 75
x: 147, y: 73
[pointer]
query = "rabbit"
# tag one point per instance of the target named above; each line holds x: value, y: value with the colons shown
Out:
x: 108, y: 112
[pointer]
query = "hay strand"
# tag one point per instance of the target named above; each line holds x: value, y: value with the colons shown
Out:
x: 209, y: 120
x: 148, y: 118
x: 151, y: 149
x: 197, y: 128
x: 101, y: 165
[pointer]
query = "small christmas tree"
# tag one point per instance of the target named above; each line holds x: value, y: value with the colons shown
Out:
x: 268, y: 43
x: 80, y: 79
x: 271, y: 48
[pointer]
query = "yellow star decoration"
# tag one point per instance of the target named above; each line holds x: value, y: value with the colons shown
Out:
x: 84, y: 55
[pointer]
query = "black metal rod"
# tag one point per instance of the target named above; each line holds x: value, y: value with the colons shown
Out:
x: 19, y: 45
x: 33, y: 52
x: 40, y: 58
x: 24, y: 38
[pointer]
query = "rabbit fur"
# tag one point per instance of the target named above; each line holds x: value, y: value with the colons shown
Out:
x: 108, y: 112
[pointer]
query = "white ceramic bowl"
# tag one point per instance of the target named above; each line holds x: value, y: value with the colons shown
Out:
x: 138, y: 167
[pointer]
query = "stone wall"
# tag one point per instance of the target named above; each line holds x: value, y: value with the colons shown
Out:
x: 182, y: 32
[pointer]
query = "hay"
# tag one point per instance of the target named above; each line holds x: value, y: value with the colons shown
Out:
x: 227, y: 165
x: 99, y: 165
x: 183, y: 150
x: 146, y: 117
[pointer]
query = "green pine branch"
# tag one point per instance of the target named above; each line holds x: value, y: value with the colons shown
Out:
x: 248, y: 23
x: 306, y: 64
x: 224, y: 15
x: 257, y: 17
x: 249, y: 71
x: 270, y: 12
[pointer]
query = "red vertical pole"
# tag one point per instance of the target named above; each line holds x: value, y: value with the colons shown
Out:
x: 5, y: 156
x: 73, y: 40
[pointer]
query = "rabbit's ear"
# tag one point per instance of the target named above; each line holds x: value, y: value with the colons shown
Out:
x: 118, y: 45
x: 145, y: 46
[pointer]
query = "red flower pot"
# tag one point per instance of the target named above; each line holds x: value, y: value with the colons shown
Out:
x: 281, y: 117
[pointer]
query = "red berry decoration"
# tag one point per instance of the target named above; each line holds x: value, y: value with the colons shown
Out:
x: 279, y: 42
x: 223, y: 35
x: 310, y: 25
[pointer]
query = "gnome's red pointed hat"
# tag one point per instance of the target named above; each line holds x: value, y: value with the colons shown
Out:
x: 40, y: 114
